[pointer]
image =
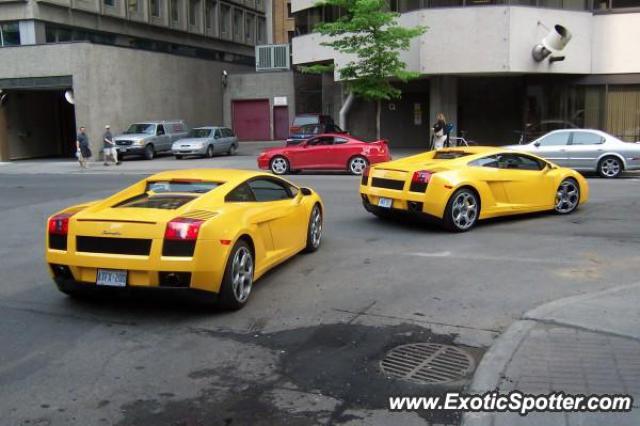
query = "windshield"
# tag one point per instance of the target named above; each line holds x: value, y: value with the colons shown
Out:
x: 169, y: 194
x: 301, y: 120
x: 149, y: 129
x: 200, y: 133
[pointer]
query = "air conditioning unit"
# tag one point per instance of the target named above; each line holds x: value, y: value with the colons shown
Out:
x: 273, y: 57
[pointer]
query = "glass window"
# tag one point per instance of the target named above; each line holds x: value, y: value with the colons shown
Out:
x: 249, y: 27
x: 241, y: 194
x: 134, y: 6
x: 199, y: 133
x: 160, y: 130
x: 260, y: 5
x: 210, y: 13
x: 262, y: 31
x: 555, y: 139
x: 9, y: 34
x: 622, y: 118
x: 110, y: 3
x: 449, y: 155
x: 586, y: 138
x: 228, y: 133
x: 177, y: 185
x: 338, y: 141
x: 237, y: 24
x: 155, y: 8
x: 269, y: 190
x: 175, y: 10
x: 490, y: 161
x: 149, y: 129
x: 519, y: 162
x: 616, y: 4
x: 320, y: 141
x: 225, y: 19
x: 194, y: 7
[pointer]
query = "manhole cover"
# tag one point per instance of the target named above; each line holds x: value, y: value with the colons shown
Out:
x: 427, y: 363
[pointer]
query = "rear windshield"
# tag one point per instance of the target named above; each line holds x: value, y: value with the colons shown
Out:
x: 200, y: 133
x: 301, y: 120
x: 449, y: 155
x: 169, y: 195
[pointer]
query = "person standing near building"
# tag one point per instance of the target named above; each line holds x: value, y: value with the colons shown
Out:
x: 82, y: 148
x: 440, y: 137
x: 110, y: 150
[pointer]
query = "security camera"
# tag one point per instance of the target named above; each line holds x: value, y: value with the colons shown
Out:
x: 225, y: 73
x: 556, y: 40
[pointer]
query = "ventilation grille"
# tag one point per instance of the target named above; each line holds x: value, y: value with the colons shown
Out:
x: 272, y: 57
x: 199, y: 214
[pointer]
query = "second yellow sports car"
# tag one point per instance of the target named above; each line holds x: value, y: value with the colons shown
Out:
x: 459, y: 186
x: 212, y: 232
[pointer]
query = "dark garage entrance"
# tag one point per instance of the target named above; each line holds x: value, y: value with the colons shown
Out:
x: 251, y: 120
x: 38, y: 120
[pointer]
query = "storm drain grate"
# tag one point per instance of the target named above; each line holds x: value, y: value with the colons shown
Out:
x: 427, y: 363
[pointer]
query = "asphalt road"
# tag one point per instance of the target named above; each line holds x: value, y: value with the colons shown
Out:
x: 306, y: 349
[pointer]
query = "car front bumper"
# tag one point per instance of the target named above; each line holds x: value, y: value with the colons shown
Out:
x: 189, y: 151
x: 130, y: 149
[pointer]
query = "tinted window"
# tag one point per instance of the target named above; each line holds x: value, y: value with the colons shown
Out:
x: 301, y: 120
x: 218, y: 136
x: 162, y: 201
x: 337, y: 141
x: 229, y: 133
x: 141, y: 128
x: 160, y: 130
x: 196, y: 187
x: 449, y: 155
x: 518, y: 162
x: 321, y: 141
x: 586, y: 138
x: 242, y: 193
x: 269, y: 190
x: 199, y: 133
x: 491, y: 161
x: 555, y: 139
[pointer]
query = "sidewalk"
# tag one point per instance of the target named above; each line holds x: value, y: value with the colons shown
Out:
x: 587, y: 344
x: 245, y: 158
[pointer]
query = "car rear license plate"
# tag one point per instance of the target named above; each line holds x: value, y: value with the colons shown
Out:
x: 111, y: 278
x: 385, y: 202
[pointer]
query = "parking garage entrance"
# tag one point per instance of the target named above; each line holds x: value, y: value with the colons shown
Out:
x: 36, y: 120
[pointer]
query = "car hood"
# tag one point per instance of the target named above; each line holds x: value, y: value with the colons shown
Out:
x: 274, y: 150
x: 189, y: 141
x: 132, y: 136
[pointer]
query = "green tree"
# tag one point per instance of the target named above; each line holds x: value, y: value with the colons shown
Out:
x: 369, y: 34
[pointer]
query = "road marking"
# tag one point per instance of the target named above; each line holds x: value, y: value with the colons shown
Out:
x: 447, y: 254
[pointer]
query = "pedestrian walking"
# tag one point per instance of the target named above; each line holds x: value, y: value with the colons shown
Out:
x: 83, y: 152
x: 109, y: 150
x: 440, y: 136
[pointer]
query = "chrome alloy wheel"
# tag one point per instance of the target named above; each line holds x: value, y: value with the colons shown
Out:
x: 610, y: 167
x: 279, y: 166
x: 567, y: 197
x: 242, y: 274
x: 315, y: 233
x: 357, y: 165
x: 464, y: 211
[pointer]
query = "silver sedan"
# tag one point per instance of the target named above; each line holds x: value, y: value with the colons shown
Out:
x: 586, y: 150
x: 206, y: 141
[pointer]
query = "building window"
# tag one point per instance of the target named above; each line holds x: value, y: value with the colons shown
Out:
x: 155, y: 8
x: 175, y: 10
x: 110, y: 3
x: 194, y: 12
x: 237, y: 24
x: 262, y: 31
x: 210, y: 13
x: 260, y: 5
x: 225, y: 20
x: 134, y: 7
x: 249, y: 27
x: 9, y: 34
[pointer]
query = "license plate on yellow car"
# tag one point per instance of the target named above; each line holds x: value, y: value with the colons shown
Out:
x: 111, y: 278
x: 385, y: 202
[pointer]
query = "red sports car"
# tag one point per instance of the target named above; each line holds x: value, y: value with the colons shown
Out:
x: 329, y: 151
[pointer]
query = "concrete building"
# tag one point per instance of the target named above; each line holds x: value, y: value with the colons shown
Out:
x: 283, y: 22
x: 477, y: 67
x: 124, y: 60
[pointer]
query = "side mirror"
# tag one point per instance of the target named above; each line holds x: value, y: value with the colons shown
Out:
x: 536, y: 144
x: 306, y: 191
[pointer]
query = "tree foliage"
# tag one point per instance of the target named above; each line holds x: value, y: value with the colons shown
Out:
x: 369, y: 34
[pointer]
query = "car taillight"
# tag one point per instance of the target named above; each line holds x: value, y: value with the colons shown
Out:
x: 183, y: 229
x: 59, y: 224
x: 421, y: 176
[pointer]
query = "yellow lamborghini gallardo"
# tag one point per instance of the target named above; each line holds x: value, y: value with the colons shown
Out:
x: 212, y: 232
x: 459, y: 186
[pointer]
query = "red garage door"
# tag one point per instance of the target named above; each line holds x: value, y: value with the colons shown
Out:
x: 251, y: 120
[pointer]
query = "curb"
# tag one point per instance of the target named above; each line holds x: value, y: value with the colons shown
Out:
x: 493, y: 365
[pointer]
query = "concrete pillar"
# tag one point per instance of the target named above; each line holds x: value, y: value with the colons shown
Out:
x: 443, y: 97
x: 4, y: 135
